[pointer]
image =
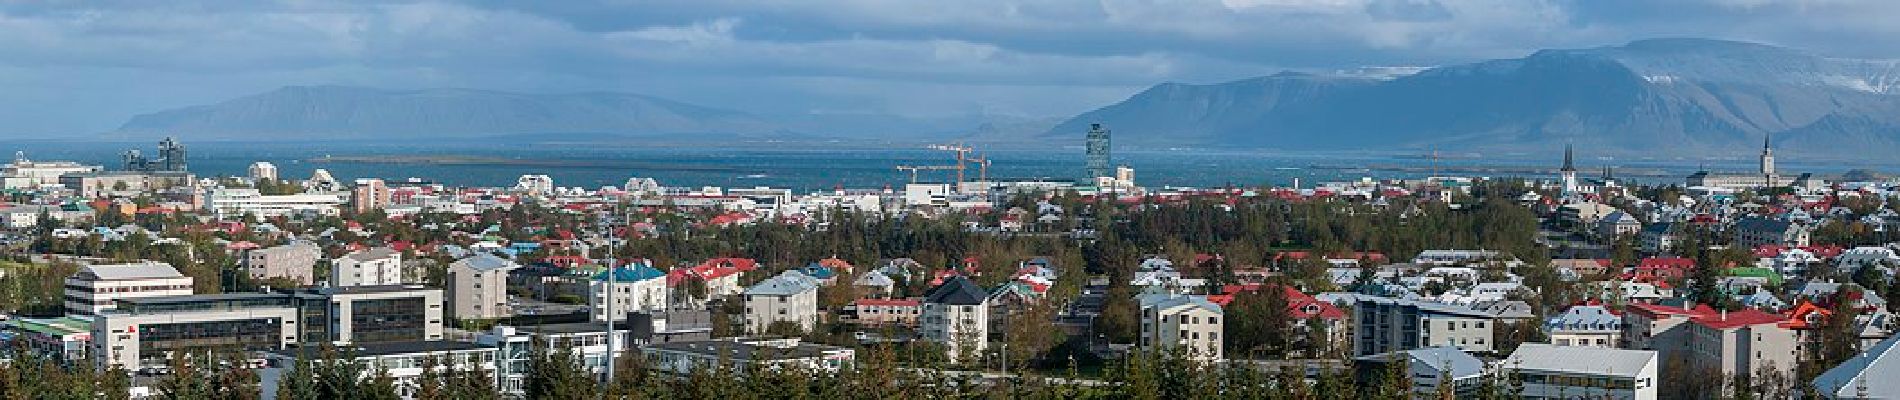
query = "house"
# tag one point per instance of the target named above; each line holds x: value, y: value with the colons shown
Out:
x: 1190, y: 323
x: 295, y: 262
x: 1659, y: 237
x: 1756, y: 231
x: 625, y: 289
x: 95, y: 288
x: 956, y: 314
x: 1560, y: 372
x: 1590, y: 325
x: 371, y: 267
x: 882, y: 312
x: 478, y: 287
x: 1618, y: 224
x: 874, y: 283
x: 719, y: 277
x: 1428, y: 368
x: 1582, y: 266
x: 790, y: 297
x: 1874, y: 374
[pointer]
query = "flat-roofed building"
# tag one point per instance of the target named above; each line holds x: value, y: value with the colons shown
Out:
x: 371, y: 267
x: 143, y: 333
x: 744, y: 354
x: 402, y: 362
x: 1573, y: 372
x: 372, y: 314
x: 66, y: 339
x: 95, y: 287
x: 1383, y: 325
x: 296, y: 261
x: 229, y: 203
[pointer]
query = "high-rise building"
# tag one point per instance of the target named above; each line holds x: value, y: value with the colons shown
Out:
x: 1098, y: 159
x: 262, y: 170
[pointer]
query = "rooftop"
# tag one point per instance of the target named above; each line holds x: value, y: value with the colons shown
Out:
x: 749, y: 351
x: 957, y: 290
x: 144, y: 270
x: 1602, y: 361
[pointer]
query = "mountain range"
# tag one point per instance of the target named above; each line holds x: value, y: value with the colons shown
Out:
x: 1690, y: 96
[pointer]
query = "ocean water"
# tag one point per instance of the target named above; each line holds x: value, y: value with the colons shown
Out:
x: 808, y: 167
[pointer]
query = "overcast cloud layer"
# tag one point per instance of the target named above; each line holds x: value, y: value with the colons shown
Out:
x: 81, y: 67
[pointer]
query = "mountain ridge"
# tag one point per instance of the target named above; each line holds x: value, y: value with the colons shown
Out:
x: 1690, y: 95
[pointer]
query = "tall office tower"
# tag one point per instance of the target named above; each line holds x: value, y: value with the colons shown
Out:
x: 1098, y: 160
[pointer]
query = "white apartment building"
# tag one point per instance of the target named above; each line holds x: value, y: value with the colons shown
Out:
x: 95, y: 287
x: 27, y: 174
x: 636, y: 287
x: 1189, y: 322
x: 1573, y: 372
x: 372, y: 267
x: 478, y: 287
x: 1586, y: 325
x: 790, y: 297
x: 227, y: 203
x: 957, y: 315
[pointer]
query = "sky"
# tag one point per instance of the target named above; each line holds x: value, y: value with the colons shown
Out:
x: 70, y: 67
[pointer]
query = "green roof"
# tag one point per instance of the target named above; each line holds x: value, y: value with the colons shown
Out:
x: 53, y: 327
x: 1756, y: 272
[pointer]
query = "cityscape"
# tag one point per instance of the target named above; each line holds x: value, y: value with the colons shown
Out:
x: 1485, y: 228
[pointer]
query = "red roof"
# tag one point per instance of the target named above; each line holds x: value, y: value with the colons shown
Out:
x: 712, y: 269
x: 1297, y: 303
x: 1659, y: 311
x: 887, y: 302
x: 1737, y: 319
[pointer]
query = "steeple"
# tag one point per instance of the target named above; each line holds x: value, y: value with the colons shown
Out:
x: 1767, y: 156
x: 1568, y: 165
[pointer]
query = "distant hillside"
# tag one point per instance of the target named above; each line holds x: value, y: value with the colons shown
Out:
x: 1684, y: 95
x: 338, y: 112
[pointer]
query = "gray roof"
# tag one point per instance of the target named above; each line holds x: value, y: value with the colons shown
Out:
x: 1602, y: 360
x: 1435, y: 308
x: 874, y: 278
x: 788, y: 283
x: 1585, y: 319
x: 298, y: 246
x: 1455, y: 362
x: 144, y: 270
x: 484, y: 262
x: 1165, y: 301
x: 372, y: 254
x: 957, y: 290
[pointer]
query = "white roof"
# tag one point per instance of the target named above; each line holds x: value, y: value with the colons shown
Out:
x: 145, y: 270
x: 1603, y: 361
x: 1878, y: 370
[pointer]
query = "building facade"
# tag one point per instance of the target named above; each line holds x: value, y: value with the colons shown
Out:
x: 372, y: 267
x: 1383, y: 325
x: 1189, y: 323
x: 478, y: 287
x: 956, y: 314
x: 789, y: 297
x: 296, y: 261
x: 95, y: 288
x: 632, y: 288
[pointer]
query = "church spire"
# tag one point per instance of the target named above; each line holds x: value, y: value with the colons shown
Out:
x: 1568, y: 165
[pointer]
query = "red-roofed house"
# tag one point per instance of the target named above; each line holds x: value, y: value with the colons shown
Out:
x: 880, y: 312
x: 1661, y: 269
x: 1300, y: 306
x: 720, y: 274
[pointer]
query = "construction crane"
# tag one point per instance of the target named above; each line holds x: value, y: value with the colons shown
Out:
x: 914, y: 168
x: 963, y: 157
x: 982, y: 168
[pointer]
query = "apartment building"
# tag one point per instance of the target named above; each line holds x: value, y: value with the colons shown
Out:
x: 1191, y: 323
x: 1575, y: 372
x: 1586, y: 325
x: 789, y: 297
x: 478, y: 287
x: 635, y: 287
x: 95, y: 287
x: 1384, y: 325
x: 232, y: 203
x: 956, y: 314
x: 882, y: 312
x: 1743, y: 342
x: 372, y: 267
x: 296, y: 261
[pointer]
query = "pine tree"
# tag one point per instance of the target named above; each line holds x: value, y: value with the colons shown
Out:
x: 556, y: 374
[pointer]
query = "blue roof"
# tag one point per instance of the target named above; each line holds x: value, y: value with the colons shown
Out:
x: 816, y: 270
x: 633, y: 273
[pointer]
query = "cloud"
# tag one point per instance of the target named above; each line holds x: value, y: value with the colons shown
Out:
x: 1031, y: 57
